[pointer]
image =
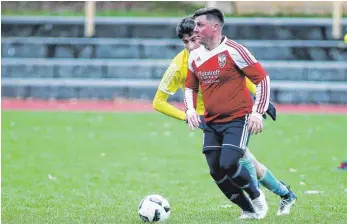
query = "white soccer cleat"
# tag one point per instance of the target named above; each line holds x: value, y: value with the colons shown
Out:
x: 285, y: 207
x: 248, y: 215
x: 286, y: 203
x: 260, y: 205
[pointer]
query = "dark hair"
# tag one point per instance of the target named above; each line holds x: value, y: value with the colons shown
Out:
x: 211, y: 13
x: 186, y: 26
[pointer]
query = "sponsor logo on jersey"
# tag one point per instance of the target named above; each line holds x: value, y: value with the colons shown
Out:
x: 207, y: 77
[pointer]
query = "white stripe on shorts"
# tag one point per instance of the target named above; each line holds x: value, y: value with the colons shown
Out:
x: 244, y: 136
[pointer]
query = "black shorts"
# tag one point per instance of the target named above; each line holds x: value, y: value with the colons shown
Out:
x: 233, y: 134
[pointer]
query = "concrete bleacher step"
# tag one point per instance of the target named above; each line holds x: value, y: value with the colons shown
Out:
x: 94, y: 90
x: 312, y: 81
x: 125, y: 27
x: 121, y: 48
x: 154, y: 69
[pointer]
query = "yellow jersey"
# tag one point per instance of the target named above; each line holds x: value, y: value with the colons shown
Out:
x: 173, y: 79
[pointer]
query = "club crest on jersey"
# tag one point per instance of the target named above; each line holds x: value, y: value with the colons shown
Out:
x: 222, y: 59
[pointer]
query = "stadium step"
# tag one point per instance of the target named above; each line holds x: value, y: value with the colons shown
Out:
x: 124, y: 27
x: 281, y: 92
x: 154, y: 69
x: 139, y: 48
x: 292, y: 82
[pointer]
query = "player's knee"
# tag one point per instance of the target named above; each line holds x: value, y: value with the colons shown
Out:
x: 229, y: 168
x: 216, y: 174
x: 260, y: 169
x: 229, y: 162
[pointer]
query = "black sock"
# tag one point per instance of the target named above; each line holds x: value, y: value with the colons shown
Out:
x: 235, y: 194
x: 243, y: 179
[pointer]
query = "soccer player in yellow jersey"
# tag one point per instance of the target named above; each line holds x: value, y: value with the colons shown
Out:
x: 173, y: 79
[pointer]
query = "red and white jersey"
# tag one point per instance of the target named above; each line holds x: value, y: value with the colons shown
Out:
x: 221, y: 74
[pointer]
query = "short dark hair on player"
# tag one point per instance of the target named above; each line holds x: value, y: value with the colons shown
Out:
x: 211, y: 13
x: 186, y: 26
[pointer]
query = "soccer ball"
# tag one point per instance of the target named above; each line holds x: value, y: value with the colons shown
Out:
x: 154, y: 208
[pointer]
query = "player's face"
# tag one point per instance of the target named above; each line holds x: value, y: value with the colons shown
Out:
x: 203, y: 29
x: 190, y: 41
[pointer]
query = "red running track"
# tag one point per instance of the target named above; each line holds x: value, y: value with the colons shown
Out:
x: 138, y: 106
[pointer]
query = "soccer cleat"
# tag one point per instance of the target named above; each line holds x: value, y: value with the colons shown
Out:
x: 286, y: 203
x: 343, y: 165
x: 260, y: 205
x: 248, y: 215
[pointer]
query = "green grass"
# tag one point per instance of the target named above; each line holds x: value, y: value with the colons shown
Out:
x: 105, y: 163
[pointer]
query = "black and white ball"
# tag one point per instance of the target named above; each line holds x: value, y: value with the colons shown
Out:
x: 154, y: 208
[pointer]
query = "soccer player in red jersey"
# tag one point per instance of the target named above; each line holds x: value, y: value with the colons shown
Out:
x: 219, y: 66
x: 173, y: 79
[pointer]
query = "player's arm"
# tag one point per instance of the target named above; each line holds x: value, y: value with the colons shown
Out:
x: 271, y: 110
x: 250, y: 86
x: 168, y: 86
x: 160, y: 104
x: 190, y: 97
x: 255, y: 72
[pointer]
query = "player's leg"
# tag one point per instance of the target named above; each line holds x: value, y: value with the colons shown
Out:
x: 211, y: 149
x: 247, y: 162
x: 233, y: 193
x: 235, y: 140
x: 269, y: 181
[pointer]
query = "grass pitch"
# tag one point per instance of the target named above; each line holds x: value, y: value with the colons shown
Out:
x: 96, y: 167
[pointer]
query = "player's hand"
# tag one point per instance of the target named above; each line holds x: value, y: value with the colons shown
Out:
x: 271, y: 111
x: 193, y: 119
x: 255, y: 123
